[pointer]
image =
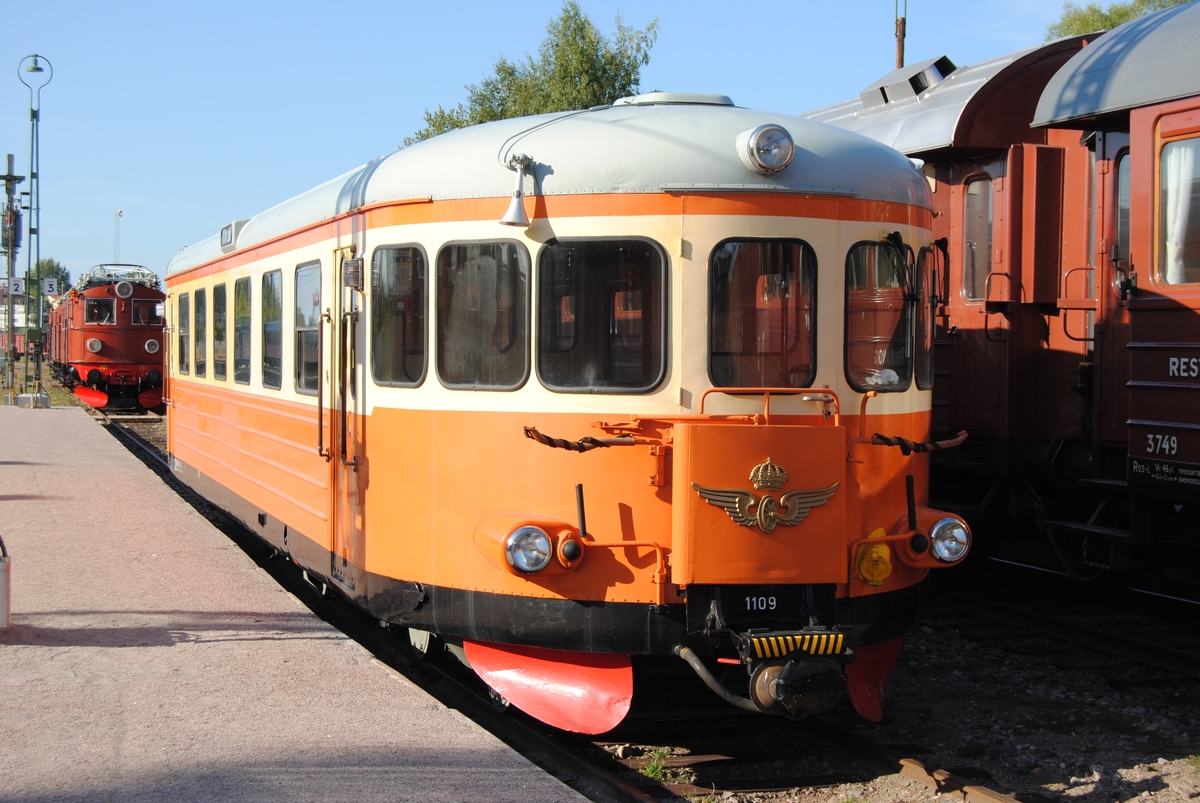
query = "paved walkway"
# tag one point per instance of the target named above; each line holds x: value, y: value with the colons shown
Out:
x: 149, y: 659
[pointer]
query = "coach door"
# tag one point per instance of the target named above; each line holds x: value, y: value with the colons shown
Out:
x: 346, y: 424
x: 1164, y: 309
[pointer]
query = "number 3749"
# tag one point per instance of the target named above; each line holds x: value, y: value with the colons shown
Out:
x: 1161, y: 444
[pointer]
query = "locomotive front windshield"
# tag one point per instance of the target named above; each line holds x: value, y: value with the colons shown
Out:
x: 763, y: 302
x: 145, y: 312
x: 99, y: 310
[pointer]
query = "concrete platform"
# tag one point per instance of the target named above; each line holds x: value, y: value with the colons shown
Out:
x: 149, y: 659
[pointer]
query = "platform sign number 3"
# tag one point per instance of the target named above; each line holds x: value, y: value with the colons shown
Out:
x: 49, y: 286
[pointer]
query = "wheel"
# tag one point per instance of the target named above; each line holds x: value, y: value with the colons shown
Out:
x: 422, y: 646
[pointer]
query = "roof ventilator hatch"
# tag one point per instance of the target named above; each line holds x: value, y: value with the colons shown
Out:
x: 907, y: 83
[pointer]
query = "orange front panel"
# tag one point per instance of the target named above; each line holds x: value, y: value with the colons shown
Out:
x: 711, y: 547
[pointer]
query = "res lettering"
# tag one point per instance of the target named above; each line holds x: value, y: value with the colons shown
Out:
x: 1183, y: 366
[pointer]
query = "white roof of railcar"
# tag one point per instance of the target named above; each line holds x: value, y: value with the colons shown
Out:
x: 650, y: 144
x: 1147, y: 60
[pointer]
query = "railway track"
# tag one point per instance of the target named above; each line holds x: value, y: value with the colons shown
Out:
x: 592, y: 767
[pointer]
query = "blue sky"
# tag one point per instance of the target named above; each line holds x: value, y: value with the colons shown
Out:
x: 186, y: 115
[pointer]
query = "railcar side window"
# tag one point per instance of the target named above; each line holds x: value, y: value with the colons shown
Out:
x: 308, y: 318
x: 145, y: 312
x: 977, y: 245
x: 241, y: 331
x: 482, y: 316
x: 272, y: 320
x: 185, y: 334
x: 219, y: 341
x: 1179, y: 213
x: 99, y: 310
x: 398, y: 307
x: 201, y: 333
x: 878, y: 319
x: 600, y: 316
x: 762, y: 298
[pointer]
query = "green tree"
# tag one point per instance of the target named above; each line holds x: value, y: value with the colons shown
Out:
x: 577, y: 67
x: 1077, y: 19
x: 48, y: 268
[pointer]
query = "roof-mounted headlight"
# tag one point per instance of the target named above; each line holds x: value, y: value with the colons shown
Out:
x: 528, y: 549
x: 766, y: 149
x: 950, y: 540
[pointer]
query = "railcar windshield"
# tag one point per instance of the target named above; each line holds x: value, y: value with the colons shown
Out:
x: 879, y: 352
x: 762, y: 306
x: 600, y: 316
x: 482, y: 316
x: 1179, y: 213
x: 145, y: 312
x: 398, y: 305
x: 99, y: 310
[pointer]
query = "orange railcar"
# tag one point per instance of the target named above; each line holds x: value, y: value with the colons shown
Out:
x: 615, y: 424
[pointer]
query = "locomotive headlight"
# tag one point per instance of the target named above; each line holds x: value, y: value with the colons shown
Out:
x: 94, y: 345
x: 766, y: 149
x: 950, y: 540
x: 151, y: 346
x: 528, y: 549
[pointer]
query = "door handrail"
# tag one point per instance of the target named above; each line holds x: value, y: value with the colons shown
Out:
x: 350, y: 316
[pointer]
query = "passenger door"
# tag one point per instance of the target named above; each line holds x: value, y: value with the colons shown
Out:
x: 346, y: 422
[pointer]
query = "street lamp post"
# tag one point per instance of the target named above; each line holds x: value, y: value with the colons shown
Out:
x: 35, y: 76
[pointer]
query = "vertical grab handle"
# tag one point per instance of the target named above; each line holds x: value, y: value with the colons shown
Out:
x: 321, y: 450
x: 347, y: 332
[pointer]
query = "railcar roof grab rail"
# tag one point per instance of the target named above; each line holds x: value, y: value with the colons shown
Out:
x: 822, y: 396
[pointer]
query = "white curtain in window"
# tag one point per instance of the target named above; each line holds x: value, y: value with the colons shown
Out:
x: 1178, y: 176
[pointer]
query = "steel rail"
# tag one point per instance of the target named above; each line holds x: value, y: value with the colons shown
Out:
x: 1170, y: 659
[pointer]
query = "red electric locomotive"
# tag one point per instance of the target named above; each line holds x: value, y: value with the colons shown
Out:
x: 106, y: 337
x: 1072, y: 377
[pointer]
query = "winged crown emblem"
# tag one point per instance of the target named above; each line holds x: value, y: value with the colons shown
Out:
x: 746, y: 509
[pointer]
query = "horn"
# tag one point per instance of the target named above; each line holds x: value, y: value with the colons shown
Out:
x: 515, y: 216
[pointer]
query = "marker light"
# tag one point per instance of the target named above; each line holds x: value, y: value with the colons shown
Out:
x: 94, y: 345
x: 766, y: 149
x: 950, y: 540
x: 151, y: 346
x: 528, y: 549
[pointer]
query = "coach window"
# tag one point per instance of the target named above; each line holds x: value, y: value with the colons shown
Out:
x: 1123, y: 209
x: 185, y: 334
x: 272, y: 337
x: 601, y: 319
x: 201, y: 333
x: 482, y: 316
x: 398, y: 307
x: 977, y: 245
x: 241, y: 331
x: 219, y: 338
x: 1179, y: 212
x: 308, y: 318
x: 878, y: 318
x: 99, y: 310
x: 762, y: 304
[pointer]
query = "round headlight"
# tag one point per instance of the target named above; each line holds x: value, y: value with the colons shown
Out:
x: 528, y: 549
x: 767, y: 149
x: 94, y: 345
x: 152, y: 346
x: 950, y: 540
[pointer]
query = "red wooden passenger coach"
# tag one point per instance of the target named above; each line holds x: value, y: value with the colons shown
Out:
x: 1066, y: 326
x: 105, y: 337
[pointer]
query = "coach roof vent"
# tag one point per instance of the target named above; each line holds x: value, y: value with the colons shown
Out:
x: 229, y: 235
x: 907, y: 83
x: 674, y: 99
